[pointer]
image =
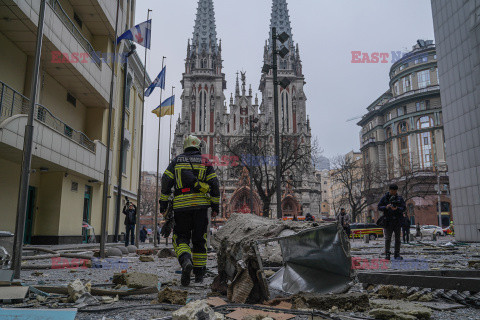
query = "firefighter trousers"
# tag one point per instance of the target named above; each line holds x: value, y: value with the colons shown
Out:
x: 191, y: 226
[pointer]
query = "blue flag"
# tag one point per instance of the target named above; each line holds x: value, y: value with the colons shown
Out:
x: 140, y: 34
x: 158, y: 82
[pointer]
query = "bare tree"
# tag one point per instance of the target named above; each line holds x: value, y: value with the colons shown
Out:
x: 147, y: 202
x: 260, y: 160
x: 358, y: 183
x: 413, y: 181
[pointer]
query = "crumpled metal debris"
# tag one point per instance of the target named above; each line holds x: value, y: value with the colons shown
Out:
x: 316, y: 260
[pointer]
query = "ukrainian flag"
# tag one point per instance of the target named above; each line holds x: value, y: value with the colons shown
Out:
x: 167, y: 108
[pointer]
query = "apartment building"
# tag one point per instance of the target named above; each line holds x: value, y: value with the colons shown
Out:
x: 70, y: 126
x: 402, y: 136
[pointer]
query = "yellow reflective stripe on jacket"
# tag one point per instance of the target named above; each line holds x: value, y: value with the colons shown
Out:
x: 163, y: 197
x: 215, y: 200
x: 169, y: 174
x: 190, y: 200
x: 178, y: 177
x: 211, y: 176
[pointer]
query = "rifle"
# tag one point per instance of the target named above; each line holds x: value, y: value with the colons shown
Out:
x: 169, y: 221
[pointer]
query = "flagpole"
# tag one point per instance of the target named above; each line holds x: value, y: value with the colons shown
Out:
x: 158, y: 163
x: 170, y: 141
x: 139, y: 191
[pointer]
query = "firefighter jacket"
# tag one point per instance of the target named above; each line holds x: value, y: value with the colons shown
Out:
x: 194, y: 181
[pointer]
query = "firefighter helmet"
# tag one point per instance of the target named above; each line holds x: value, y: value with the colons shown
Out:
x: 192, y: 142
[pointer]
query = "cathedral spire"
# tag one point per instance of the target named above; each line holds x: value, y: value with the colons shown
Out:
x: 237, y: 87
x: 281, y: 20
x: 205, y: 31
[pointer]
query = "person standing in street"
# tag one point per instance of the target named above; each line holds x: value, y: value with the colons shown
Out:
x: 406, y: 228
x: 130, y: 212
x: 344, y: 219
x: 418, y: 232
x: 196, y: 188
x: 392, y: 205
x: 143, y: 234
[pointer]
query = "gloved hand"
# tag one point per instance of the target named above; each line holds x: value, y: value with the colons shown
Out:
x: 163, y: 206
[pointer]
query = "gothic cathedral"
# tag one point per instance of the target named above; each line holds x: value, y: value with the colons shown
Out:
x: 206, y: 115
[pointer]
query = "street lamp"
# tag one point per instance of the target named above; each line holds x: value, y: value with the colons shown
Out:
x: 284, y: 83
x: 251, y: 121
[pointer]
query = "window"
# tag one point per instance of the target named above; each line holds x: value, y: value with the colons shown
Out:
x: 406, y: 84
x: 426, y: 141
x: 438, y: 79
x: 74, y: 186
x: 401, y: 111
x: 421, y: 106
x: 77, y: 20
x: 71, y: 99
x: 396, y: 88
x: 423, y: 79
x: 424, y: 122
x: 389, y: 133
x: 403, y: 127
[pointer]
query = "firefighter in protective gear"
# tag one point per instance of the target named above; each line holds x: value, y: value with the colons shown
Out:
x: 196, y: 188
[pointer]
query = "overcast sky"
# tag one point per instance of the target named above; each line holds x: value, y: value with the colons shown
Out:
x: 327, y: 31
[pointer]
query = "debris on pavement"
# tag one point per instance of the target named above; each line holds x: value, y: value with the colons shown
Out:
x: 13, y: 294
x: 77, y: 289
x: 166, y: 253
x: 197, y: 310
x: 169, y: 295
x: 146, y: 258
x: 399, y: 310
x: 244, y: 313
x: 136, y: 279
x: 240, y: 258
x: 347, y: 301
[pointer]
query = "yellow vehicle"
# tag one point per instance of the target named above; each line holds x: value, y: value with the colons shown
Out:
x: 358, y: 230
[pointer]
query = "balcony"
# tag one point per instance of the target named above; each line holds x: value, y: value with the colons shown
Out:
x: 87, y: 79
x: 56, y: 144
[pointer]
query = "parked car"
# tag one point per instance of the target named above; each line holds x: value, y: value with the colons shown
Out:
x: 427, y: 230
x: 358, y: 230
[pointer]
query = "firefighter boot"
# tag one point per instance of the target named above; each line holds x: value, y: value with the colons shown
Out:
x: 187, y: 266
x: 199, y: 274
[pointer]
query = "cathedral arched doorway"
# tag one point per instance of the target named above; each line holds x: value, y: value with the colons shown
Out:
x: 240, y: 202
x: 290, y: 207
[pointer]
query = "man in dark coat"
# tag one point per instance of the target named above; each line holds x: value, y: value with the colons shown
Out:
x: 406, y: 229
x: 130, y: 212
x: 143, y: 234
x: 392, y: 205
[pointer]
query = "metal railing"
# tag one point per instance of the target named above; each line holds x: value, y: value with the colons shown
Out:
x: 13, y: 103
x: 57, y: 8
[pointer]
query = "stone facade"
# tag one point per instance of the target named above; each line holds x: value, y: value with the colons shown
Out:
x: 205, y: 113
x: 402, y: 136
x: 457, y: 34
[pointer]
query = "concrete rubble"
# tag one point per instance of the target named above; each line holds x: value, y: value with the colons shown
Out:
x: 169, y: 295
x: 197, y: 310
x: 237, y: 260
x: 124, y: 287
